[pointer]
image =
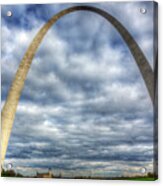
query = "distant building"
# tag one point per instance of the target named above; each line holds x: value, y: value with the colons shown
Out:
x: 49, y: 174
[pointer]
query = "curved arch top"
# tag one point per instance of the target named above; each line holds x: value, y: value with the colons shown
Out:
x: 9, y: 109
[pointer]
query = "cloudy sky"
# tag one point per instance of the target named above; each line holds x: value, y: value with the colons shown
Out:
x: 84, y: 108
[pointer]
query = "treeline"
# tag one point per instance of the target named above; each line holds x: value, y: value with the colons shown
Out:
x: 149, y: 176
x: 10, y: 173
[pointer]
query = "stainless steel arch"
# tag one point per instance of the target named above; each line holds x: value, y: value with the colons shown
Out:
x: 9, y: 109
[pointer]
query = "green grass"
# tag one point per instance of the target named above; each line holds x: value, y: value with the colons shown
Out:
x: 142, y: 179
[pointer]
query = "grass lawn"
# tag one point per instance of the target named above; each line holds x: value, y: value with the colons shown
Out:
x: 142, y: 179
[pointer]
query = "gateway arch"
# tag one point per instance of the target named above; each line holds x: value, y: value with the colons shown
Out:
x: 9, y: 109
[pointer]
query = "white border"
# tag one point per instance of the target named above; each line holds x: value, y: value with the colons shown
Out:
x: 62, y: 182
